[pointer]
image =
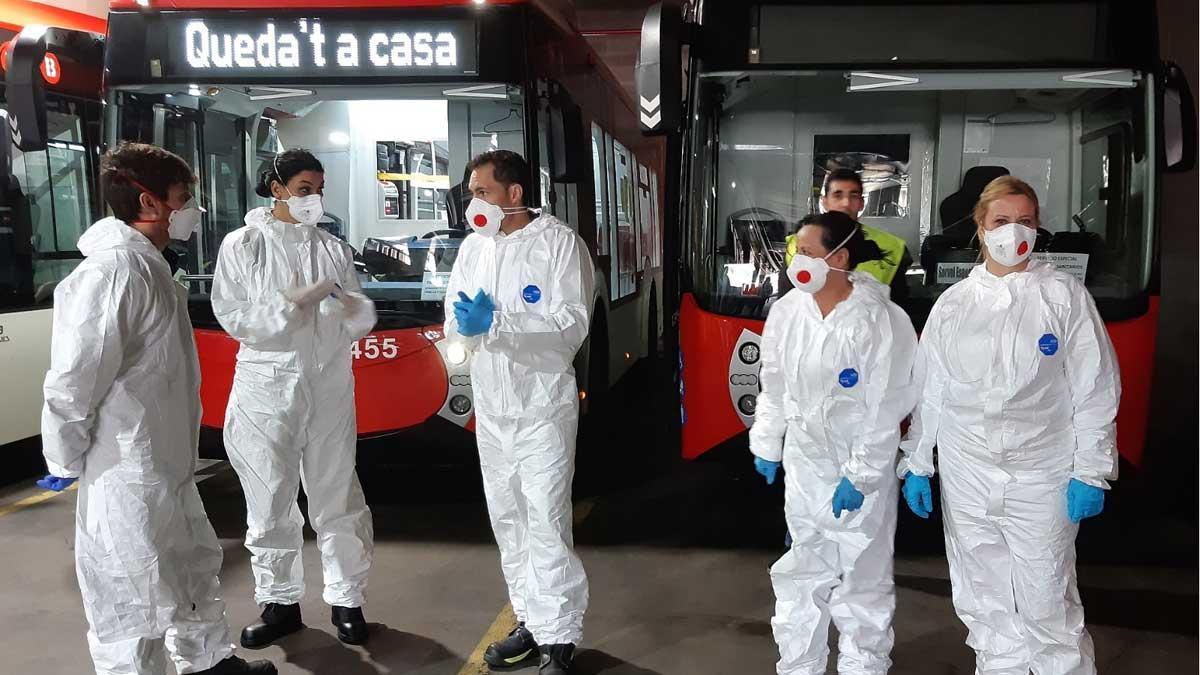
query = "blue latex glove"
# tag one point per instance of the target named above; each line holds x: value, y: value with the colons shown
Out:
x: 918, y: 494
x: 846, y: 498
x: 55, y: 483
x: 1083, y: 500
x: 767, y: 468
x: 474, y: 316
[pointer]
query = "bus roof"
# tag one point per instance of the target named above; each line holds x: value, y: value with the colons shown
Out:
x: 16, y: 14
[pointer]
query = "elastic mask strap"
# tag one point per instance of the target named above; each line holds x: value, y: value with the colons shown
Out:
x: 839, y: 247
x: 279, y: 176
x: 145, y: 189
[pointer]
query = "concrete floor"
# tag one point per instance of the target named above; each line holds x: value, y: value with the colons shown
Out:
x: 677, y: 555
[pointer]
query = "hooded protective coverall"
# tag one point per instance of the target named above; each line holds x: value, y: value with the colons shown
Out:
x: 291, y: 411
x: 834, y: 391
x: 122, y: 414
x: 527, y: 411
x: 1019, y: 393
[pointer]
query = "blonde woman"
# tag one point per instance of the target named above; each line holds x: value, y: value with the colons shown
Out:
x: 1019, y: 392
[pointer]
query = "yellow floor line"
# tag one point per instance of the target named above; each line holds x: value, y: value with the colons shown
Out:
x: 504, y: 623
x: 34, y: 499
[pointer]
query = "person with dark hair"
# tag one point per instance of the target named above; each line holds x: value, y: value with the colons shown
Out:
x: 122, y: 416
x: 842, y: 191
x: 837, y: 380
x: 524, y: 287
x: 288, y: 292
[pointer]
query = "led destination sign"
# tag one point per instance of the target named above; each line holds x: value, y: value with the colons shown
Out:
x: 316, y: 47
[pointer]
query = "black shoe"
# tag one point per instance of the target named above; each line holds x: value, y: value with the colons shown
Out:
x: 237, y: 666
x: 518, y: 650
x: 556, y: 659
x: 350, y: 624
x: 277, y: 621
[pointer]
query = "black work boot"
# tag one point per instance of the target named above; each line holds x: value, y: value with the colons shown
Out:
x: 518, y: 650
x: 238, y: 666
x: 556, y: 659
x: 277, y: 621
x: 350, y: 624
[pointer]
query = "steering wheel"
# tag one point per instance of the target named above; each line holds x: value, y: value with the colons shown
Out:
x: 439, y: 233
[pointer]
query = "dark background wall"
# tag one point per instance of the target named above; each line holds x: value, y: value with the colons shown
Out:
x: 1174, y: 442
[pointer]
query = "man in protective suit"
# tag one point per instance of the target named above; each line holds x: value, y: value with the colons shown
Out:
x: 122, y: 416
x: 522, y: 292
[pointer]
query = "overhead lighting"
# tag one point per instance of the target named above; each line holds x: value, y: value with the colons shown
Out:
x: 339, y: 138
x: 274, y: 93
x: 492, y: 91
x: 480, y: 2
x: 193, y: 90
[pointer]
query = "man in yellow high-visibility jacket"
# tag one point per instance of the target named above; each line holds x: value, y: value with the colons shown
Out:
x: 843, y: 191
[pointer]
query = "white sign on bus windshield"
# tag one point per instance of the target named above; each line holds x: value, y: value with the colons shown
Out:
x: 318, y: 47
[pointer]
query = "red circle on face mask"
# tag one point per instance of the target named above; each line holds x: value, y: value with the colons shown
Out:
x: 1023, y: 248
x: 480, y: 220
x: 804, y: 276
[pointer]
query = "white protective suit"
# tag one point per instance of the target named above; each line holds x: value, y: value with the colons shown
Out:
x: 122, y: 414
x: 1020, y: 391
x: 834, y: 392
x: 527, y: 411
x: 291, y: 412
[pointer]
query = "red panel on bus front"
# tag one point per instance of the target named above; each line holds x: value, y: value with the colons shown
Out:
x: 389, y: 393
x: 708, y: 340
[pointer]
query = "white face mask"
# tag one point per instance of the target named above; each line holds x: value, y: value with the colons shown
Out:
x: 182, y: 222
x: 1010, y: 244
x: 809, y: 274
x: 484, y: 217
x: 306, y: 210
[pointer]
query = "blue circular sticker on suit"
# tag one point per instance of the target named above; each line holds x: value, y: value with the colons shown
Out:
x: 531, y: 294
x: 1048, y: 344
x: 848, y: 378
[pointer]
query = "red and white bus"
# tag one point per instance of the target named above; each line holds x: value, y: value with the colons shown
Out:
x: 928, y: 101
x: 394, y: 97
x: 50, y: 63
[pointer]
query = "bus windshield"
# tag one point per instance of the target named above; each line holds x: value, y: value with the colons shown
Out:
x: 394, y: 160
x: 924, y: 144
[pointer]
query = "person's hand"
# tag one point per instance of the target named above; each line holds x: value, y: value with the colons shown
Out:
x: 55, y: 483
x: 766, y: 468
x: 919, y: 495
x: 846, y: 498
x: 474, y: 316
x: 1083, y: 500
x: 307, y: 296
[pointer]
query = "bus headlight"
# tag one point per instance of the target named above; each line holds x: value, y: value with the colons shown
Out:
x: 456, y: 354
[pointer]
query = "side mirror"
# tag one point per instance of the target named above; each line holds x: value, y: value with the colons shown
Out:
x: 1178, y: 121
x: 569, y: 161
x: 26, y: 92
x: 659, y: 72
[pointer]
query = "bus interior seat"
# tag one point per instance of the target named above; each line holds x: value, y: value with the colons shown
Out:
x: 956, y: 241
x: 1090, y: 244
x: 456, y: 199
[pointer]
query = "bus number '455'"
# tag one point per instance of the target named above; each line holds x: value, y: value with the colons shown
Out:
x: 372, y: 347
